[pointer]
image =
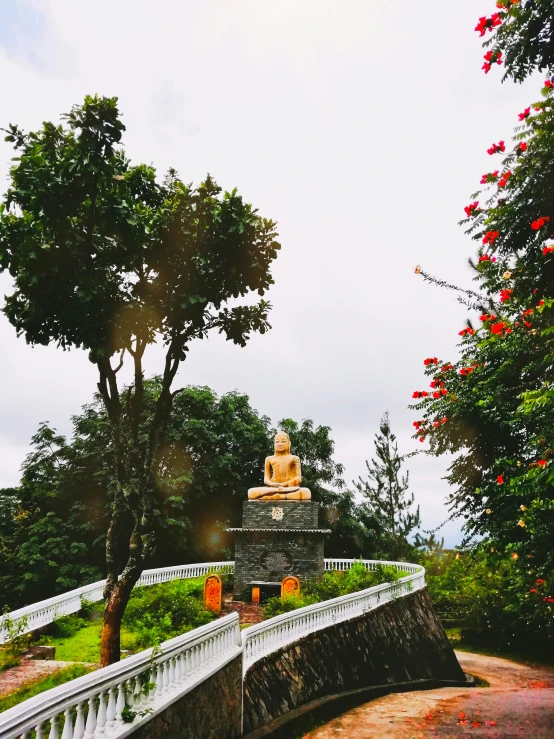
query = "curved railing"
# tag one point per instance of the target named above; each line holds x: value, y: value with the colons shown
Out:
x: 46, y: 611
x: 94, y: 705
x: 275, y: 633
x: 116, y: 700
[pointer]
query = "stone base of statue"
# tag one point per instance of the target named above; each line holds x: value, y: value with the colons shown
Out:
x: 277, y: 539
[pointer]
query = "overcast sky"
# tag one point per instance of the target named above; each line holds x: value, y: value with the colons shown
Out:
x: 360, y: 126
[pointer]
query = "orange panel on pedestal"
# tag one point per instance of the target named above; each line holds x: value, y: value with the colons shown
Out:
x: 212, y: 593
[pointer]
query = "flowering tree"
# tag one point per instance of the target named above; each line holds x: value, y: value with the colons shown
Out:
x: 494, y: 407
x: 519, y: 35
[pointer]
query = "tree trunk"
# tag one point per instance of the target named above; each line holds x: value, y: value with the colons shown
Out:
x: 116, y: 603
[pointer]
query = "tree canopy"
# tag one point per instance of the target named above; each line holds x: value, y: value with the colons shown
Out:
x: 53, y: 527
x: 107, y: 258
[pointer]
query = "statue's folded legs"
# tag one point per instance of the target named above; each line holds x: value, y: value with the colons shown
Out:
x: 282, y: 476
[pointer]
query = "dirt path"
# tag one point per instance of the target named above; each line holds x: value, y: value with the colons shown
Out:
x: 29, y: 671
x: 519, y: 702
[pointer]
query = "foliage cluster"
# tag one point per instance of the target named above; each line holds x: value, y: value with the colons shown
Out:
x: 159, y: 612
x: 493, y: 408
x: 522, y: 34
x: 16, y: 643
x: 488, y: 598
x: 332, y: 585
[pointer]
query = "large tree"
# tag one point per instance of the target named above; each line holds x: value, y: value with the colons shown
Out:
x: 493, y: 408
x: 386, y: 493
x: 106, y: 258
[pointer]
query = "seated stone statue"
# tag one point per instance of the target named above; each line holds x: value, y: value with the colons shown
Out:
x: 282, y: 475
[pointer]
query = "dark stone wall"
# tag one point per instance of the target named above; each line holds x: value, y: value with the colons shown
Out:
x: 399, y: 642
x: 254, y: 552
x: 256, y: 514
x: 258, y: 553
x: 210, y: 711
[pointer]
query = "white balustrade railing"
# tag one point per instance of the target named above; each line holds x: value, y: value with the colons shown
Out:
x: 115, y: 700
x: 46, y: 611
x: 269, y: 636
x: 145, y: 684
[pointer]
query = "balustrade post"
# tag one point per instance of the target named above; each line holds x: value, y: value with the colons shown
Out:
x: 101, y: 715
x: 53, y: 727
x: 120, y: 703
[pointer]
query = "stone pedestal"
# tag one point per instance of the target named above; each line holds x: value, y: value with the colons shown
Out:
x: 278, y: 538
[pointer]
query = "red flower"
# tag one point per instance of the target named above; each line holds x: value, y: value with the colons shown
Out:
x: 527, y: 312
x: 540, y: 581
x: 489, y: 177
x: 526, y: 113
x: 522, y: 147
x: 485, y: 23
x: 416, y: 394
x: 504, y: 179
x: 446, y: 367
x: 498, y: 328
x: 549, y: 600
x: 546, y: 250
x: 527, y: 324
x: 444, y: 391
x: 469, y: 209
x: 540, y: 222
x: 430, y: 360
x: 436, y: 394
x: 424, y: 394
x: 490, y: 237
x: 444, y: 420
x: 468, y: 331
x: 542, y: 462
x: 500, y: 479
x: 495, y: 148
x: 533, y: 590
x: 541, y: 302
x: 505, y: 295
x: 435, y: 424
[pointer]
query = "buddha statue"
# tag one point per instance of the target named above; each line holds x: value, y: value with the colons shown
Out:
x: 282, y: 476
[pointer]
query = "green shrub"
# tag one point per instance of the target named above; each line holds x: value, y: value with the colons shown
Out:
x: 17, y: 643
x: 160, y: 612
x: 66, y: 626
x: 332, y: 585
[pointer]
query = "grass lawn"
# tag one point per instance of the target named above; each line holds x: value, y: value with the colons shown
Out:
x: 84, y: 646
x: 52, y: 681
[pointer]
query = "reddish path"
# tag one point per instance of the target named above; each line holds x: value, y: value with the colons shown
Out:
x: 519, y: 702
x: 248, y: 612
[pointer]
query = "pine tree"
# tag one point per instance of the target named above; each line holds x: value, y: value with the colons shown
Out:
x: 386, y: 493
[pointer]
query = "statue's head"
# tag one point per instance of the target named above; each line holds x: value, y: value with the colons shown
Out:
x: 282, y: 443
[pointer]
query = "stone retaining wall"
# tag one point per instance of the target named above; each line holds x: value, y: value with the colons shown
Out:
x: 210, y: 711
x: 399, y: 642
